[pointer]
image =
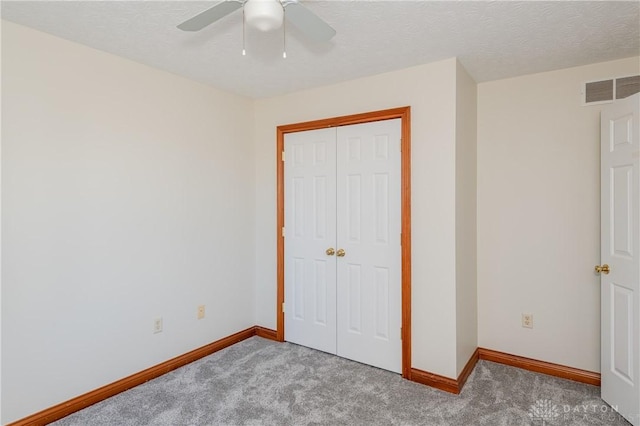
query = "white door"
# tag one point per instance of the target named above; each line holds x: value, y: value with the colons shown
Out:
x: 369, y: 225
x: 342, y: 241
x: 310, y: 224
x: 620, y: 157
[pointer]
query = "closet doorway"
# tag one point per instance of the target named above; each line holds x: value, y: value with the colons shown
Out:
x: 344, y: 183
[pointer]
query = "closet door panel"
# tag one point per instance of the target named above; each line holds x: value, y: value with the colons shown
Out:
x: 368, y: 230
x: 310, y: 229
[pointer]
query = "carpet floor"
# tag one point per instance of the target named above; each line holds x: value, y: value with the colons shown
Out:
x: 261, y: 382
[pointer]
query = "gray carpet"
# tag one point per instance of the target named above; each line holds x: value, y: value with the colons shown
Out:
x: 260, y: 382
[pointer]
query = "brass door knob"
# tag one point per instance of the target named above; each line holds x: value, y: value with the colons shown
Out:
x: 604, y: 269
x: 340, y: 253
x: 330, y: 251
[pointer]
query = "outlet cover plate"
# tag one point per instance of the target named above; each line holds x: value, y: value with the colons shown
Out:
x: 157, y: 325
x: 527, y: 320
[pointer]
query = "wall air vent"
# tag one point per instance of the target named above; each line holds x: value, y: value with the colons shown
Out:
x: 627, y: 86
x: 598, y: 91
x: 606, y: 91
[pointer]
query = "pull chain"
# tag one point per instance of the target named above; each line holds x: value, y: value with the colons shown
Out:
x: 244, y: 52
x: 284, y: 34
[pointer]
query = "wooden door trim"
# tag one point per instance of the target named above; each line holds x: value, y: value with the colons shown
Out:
x: 404, y: 114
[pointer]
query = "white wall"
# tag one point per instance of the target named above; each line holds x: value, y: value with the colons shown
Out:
x: 430, y: 91
x: 466, y: 259
x: 127, y: 193
x: 539, y: 214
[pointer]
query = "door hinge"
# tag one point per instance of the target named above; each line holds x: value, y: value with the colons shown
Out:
x: 283, y: 231
x: 400, y: 333
x: 283, y: 307
x: 282, y: 157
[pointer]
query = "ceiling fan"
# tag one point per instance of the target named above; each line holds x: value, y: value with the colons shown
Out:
x: 265, y: 15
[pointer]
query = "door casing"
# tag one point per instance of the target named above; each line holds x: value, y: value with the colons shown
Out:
x: 403, y: 113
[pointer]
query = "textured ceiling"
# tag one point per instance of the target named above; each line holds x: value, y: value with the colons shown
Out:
x: 493, y: 40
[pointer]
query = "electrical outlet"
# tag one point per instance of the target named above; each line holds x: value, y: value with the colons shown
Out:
x: 527, y: 320
x: 200, y: 311
x: 157, y: 325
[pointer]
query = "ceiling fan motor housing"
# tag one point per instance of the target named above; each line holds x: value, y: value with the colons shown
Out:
x: 265, y: 15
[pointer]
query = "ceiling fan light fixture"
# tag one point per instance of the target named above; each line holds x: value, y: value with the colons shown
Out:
x: 265, y: 15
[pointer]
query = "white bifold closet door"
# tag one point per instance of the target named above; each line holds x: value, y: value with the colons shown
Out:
x: 342, y: 241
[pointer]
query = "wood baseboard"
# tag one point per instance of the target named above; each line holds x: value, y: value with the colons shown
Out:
x: 61, y: 410
x: 266, y: 333
x: 445, y: 383
x: 435, y: 381
x: 468, y: 368
x: 543, y: 367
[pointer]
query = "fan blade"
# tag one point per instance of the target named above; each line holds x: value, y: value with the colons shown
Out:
x: 308, y: 22
x: 210, y: 15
